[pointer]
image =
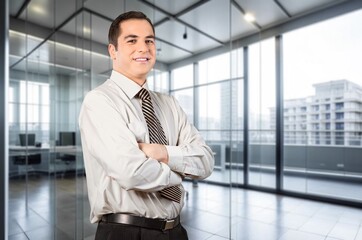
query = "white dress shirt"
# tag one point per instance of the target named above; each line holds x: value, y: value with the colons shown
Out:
x: 120, y: 177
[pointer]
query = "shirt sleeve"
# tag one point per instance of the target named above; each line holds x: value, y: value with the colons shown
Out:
x: 191, y: 157
x: 109, y: 144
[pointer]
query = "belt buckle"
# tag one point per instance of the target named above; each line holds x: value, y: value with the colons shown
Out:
x: 169, y: 224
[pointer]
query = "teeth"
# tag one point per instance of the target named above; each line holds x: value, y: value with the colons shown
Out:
x: 141, y: 59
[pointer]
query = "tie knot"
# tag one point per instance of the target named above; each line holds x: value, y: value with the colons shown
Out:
x: 144, y: 94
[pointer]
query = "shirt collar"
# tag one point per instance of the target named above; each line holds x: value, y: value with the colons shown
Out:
x: 127, y: 85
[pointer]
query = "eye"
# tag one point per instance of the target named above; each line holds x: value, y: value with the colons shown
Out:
x: 149, y: 41
x: 131, y: 41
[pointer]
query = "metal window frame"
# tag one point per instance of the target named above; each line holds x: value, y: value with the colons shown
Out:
x: 4, y: 84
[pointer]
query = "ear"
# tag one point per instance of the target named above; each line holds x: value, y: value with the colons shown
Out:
x: 112, y: 51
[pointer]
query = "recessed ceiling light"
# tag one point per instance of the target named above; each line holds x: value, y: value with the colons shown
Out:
x: 86, y: 30
x: 38, y: 9
x: 249, y: 17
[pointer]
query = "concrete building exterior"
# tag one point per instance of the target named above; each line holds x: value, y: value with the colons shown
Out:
x: 333, y: 116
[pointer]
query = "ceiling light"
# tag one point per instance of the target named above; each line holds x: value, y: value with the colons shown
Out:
x: 185, y: 34
x: 86, y: 30
x: 249, y: 17
x: 38, y: 9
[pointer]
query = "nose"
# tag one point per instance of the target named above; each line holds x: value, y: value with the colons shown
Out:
x: 142, y: 47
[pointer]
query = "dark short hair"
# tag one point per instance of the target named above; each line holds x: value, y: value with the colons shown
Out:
x: 114, y: 29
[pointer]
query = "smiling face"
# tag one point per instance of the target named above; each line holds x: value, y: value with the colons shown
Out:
x: 135, y: 54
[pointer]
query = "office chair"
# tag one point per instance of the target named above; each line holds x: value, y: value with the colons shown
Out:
x: 67, y: 139
x: 27, y: 161
x: 67, y: 161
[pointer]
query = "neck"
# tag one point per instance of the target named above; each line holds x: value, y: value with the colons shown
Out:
x: 140, y: 80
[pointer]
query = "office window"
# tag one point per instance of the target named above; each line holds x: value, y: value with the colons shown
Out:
x: 33, y: 96
x: 158, y: 81
x: 315, y: 117
x: 237, y: 63
x: 321, y: 48
x: 339, y: 116
x: 327, y: 138
x: 339, y: 106
x: 315, y: 108
x: 214, y: 69
x: 182, y: 88
x: 262, y: 119
x: 214, y: 103
x: 29, y: 110
x: 339, y: 139
x: 12, y: 106
x: 355, y: 139
x: 339, y: 126
x: 186, y: 99
x: 214, y: 108
x: 182, y: 77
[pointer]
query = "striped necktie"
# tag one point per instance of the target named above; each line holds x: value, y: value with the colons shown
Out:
x: 157, y: 135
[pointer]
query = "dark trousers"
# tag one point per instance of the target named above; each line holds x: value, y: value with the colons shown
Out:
x: 116, y: 231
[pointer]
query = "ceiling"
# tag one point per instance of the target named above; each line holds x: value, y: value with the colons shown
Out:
x: 209, y: 24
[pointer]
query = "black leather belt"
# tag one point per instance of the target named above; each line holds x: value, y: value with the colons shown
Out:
x: 154, y: 223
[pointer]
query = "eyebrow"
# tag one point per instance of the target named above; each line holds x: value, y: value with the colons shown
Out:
x: 135, y: 36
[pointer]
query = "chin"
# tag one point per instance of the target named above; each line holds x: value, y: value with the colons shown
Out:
x: 143, y: 70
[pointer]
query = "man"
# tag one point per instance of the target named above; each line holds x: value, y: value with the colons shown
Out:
x: 134, y: 172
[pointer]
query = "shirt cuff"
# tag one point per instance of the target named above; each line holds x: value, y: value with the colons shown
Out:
x: 175, y: 179
x: 175, y: 158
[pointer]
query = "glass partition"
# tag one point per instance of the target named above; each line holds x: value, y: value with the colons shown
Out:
x: 50, y: 71
x: 57, y: 55
x: 31, y: 204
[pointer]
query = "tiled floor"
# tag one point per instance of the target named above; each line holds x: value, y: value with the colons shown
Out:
x: 298, y: 182
x: 208, y: 213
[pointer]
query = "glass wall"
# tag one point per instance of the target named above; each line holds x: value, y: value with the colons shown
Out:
x: 182, y: 82
x: 50, y: 71
x: 228, y: 95
x: 262, y: 119
x: 159, y: 81
x: 215, y: 103
x: 214, y: 118
x: 322, y: 108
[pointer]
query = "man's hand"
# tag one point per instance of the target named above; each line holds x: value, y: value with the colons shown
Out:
x: 155, y: 151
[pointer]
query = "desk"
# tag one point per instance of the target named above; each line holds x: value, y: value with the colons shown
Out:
x: 23, y: 151
x: 72, y: 150
x: 27, y: 150
x: 49, y: 162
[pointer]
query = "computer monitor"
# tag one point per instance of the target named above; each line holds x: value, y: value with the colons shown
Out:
x: 66, y: 138
x: 27, y: 139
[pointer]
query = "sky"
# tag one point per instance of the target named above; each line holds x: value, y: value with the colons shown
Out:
x: 329, y: 50
x: 326, y: 51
